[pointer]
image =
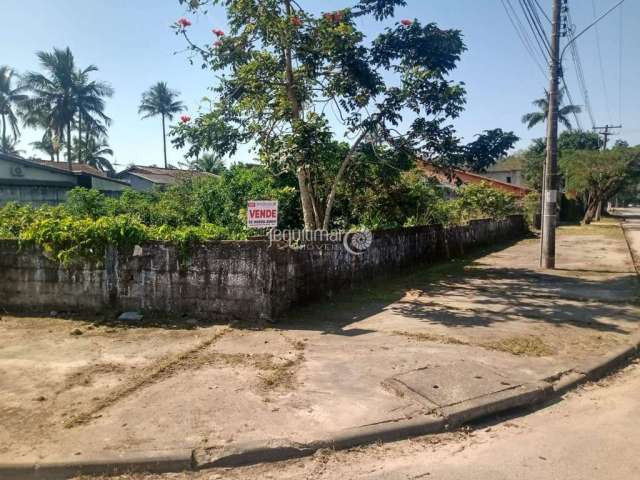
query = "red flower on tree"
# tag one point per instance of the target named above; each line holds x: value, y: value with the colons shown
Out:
x: 184, y: 22
x: 296, y: 21
x: 218, y: 32
x: 406, y: 22
x: 185, y: 118
x: 335, y: 17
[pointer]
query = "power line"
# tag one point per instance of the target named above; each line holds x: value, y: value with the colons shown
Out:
x: 522, y: 34
x: 542, y: 11
x: 575, y: 56
x: 604, y: 83
x: 536, y: 16
x: 570, y: 98
x: 620, y: 44
x: 539, y: 34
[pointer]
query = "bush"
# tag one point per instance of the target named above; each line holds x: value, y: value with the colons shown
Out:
x: 204, y: 209
x: 68, y: 238
x: 531, y: 207
x: 83, y: 202
x: 479, y: 200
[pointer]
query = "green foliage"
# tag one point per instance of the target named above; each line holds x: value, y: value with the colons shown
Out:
x: 386, y: 192
x: 531, y: 206
x: 83, y: 202
x: 487, y: 148
x: 564, y: 111
x: 186, y: 213
x: 68, y: 238
x: 568, y: 141
x: 279, y: 66
x: 479, y: 200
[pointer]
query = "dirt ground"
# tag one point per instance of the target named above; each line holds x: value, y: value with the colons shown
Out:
x: 74, y: 387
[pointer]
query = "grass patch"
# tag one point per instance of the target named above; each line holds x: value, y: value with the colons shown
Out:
x: 430, y: 337
x: 608, y: 230
x: 281, y: 375
x: 530, y: 346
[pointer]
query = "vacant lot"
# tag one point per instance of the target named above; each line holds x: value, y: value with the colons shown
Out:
x: 74, y: 386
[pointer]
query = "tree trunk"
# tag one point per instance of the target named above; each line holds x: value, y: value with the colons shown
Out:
x: 296, y: 115
x: 164, y: 142
x: 69, y: 159
x: 598, y: 211
x: 4, y: 132
x: 592, y: 207
x: 80, y: 157
x: 341, y: 170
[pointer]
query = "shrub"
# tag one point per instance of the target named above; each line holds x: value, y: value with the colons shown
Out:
x: 83, y: 202
x: 68, y: 238
x: 479, y: 200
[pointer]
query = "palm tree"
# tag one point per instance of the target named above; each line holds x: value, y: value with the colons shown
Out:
x: 50, y: 142
x: 9, y: 145
x: 10, y: 98
x: 55, y: 93
x: 161, y: 100
x: 208, y: 162
x: 534, y: 118
x: 89, y: 98
x: 96, y: 150
x: 47, y: 145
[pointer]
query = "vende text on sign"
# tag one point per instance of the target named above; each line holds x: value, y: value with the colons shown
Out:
x: 262, y: 213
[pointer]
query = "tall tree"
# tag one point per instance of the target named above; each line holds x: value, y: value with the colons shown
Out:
x: 598, y: 175
x: 11, y: 97
x: 54, y: 92
x: 568, y: 141
x: 161, y: 100
x: 90, y: 104
x: 283, y: 69
x: 96, y: 151
x: 534, y: 118
x: 9, y: 145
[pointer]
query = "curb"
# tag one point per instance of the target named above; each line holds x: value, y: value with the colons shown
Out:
x: 170, y: 461
x: 251, y: 453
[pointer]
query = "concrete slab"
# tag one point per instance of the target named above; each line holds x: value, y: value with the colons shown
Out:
x: 450, y: 384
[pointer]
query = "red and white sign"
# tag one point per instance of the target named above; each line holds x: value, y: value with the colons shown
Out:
x: 262, y: 213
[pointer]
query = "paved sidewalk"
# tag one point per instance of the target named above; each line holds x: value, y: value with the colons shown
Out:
x: 434, y: 337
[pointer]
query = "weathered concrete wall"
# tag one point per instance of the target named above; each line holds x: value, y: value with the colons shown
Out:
x: 226, y: 280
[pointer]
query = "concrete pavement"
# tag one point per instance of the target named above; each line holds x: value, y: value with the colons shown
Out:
x: 592, y: 433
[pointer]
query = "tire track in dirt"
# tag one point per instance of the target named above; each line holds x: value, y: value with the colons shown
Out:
x: 154, y: 373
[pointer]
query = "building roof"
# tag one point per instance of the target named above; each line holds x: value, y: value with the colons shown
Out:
x: 75, y: 167
x: 162, y: 176
x: 455, y: 175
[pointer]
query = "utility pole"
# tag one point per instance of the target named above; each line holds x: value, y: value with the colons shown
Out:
x: 606, y: 133
x: 550, y: 181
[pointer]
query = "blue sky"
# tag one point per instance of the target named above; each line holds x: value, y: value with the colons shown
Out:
x: 133, y: 46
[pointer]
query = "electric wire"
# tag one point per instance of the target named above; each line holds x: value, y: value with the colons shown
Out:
x: 602, y: 76
x: 522, y: 35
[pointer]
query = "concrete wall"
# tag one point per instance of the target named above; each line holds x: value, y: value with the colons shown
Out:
x: 137, y: 183
x: 225, y: 280
x: 513, y: 177
x: 36, y: 195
